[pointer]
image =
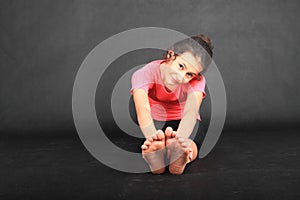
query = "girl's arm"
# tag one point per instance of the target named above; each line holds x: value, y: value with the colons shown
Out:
x: 143, y: 111
x: 190, y: 111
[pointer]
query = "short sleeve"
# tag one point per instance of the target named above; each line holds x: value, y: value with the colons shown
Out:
x: 198, y: 85
x: 142, y: 79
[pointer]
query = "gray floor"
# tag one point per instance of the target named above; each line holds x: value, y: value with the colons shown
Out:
x: 243, y: 165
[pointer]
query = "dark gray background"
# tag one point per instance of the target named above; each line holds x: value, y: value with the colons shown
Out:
x: 43, y: 44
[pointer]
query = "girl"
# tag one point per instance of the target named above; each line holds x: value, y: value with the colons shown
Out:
x: 167, y: 96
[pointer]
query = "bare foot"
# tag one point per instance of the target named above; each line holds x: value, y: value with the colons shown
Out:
x: 180, y: 154
x: 170, y: 138
x: 153, y: 151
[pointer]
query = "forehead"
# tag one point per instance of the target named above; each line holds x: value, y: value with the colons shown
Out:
x: 192, y: 63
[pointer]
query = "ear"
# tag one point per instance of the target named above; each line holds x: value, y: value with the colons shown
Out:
x: 171, y: 55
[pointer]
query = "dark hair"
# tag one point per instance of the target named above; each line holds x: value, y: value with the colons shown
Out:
x: 200, y: 46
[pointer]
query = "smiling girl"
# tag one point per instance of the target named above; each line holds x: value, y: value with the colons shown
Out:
x: 167, y: 96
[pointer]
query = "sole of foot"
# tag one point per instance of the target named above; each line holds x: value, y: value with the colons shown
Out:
x: 180, y: 155
x: 153, y: 151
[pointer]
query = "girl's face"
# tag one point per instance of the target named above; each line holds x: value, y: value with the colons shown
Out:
x: 182, y: 69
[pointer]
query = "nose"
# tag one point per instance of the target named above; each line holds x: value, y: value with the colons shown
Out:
x: 180, y: 77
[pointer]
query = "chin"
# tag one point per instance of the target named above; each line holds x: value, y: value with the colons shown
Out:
x: 171, y: 82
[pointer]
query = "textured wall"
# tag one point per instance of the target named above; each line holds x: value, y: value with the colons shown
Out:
x: 43, y: 43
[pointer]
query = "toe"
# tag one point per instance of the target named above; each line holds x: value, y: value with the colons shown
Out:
x: 160, y: 135
x: 169, y: 131
x: 150, y: 139
x: 154, y: 137
x: 147, y: 143
x: 174, y: 134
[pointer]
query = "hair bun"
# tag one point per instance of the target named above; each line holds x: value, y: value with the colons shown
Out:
x: 206, y: 40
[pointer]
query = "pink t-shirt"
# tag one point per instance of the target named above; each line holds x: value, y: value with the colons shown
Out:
x: 164, y: 105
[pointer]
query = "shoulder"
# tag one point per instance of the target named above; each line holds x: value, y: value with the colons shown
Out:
x: 146, y: 76
x: 152, y: 66
x: 150, y: 69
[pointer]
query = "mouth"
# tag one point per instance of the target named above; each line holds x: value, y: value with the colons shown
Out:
x: 173, y: 80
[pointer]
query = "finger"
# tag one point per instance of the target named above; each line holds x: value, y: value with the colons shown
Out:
x: 144, y: 147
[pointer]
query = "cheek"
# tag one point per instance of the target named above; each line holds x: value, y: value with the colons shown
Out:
x: 173, y: 70
x: 186, y: 80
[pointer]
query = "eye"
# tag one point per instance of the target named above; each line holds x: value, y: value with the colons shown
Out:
x: 181, y: 66
x: 189, y: 75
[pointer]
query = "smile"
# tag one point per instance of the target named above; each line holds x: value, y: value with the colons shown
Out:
x: 174, y: 80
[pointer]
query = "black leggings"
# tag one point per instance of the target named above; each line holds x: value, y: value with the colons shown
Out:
x: 197, y: 135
